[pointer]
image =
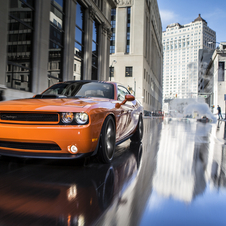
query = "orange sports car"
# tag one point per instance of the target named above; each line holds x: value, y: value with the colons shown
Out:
x: 70, y: 120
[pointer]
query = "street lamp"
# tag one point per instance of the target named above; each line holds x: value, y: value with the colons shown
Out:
x: 110, y: 71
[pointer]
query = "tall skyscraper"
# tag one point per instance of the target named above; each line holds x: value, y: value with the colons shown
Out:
x: 181, y: 44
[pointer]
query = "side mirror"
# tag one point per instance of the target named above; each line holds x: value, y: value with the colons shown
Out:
x: 128, y: 97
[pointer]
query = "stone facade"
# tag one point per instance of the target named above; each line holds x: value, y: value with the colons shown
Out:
x: 136, y: 54
x: 212, y: 82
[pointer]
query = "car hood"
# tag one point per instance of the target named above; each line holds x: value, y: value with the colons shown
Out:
x: 60, y: 104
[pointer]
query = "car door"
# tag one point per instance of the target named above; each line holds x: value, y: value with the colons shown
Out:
x: 125, y: 122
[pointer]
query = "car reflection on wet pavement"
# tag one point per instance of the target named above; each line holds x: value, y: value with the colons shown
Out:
x: 176, y: 176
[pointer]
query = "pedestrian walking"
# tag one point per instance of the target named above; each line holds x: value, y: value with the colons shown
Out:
x: 219, y: 112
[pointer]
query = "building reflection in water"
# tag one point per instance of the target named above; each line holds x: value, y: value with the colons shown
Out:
x: 188, y: 160
x: 174, y: 172
x: 56, y: 41
x: 218, y: 167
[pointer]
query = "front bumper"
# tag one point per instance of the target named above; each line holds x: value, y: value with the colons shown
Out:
x: 85, y: 138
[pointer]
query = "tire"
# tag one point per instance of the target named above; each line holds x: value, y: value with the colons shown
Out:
x: 138, y: 135
x: 107, y: 141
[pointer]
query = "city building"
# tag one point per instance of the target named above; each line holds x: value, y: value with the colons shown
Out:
x: 212, y: 81
x: 44, y: 42
x: 136, y: 50
x: 181, y: 44
x: 205, y: 56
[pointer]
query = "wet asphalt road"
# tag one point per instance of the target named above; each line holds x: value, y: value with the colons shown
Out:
x: 176, y: 176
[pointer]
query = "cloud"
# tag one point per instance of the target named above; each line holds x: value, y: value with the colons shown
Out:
x: 168, y: 17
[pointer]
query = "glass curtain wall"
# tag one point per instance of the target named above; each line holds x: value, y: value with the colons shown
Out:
x: 20, y: 41
x: 113, y: 23
x: 79, y: 42
x: 56, y: 38
x: 128, y: 30
x: 95, y: 50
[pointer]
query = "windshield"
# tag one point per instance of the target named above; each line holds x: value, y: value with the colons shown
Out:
x: 82, y: 89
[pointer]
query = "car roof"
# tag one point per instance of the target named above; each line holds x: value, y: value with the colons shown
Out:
x: 85, y: 81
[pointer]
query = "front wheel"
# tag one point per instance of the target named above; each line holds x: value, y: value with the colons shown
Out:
x: 107, y: 141
x: 138, y: 135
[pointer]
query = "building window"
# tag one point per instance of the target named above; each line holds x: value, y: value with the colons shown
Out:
x: 20, y: 41
x: 95, y: 50
x: 56, y: 38
x: 129, y: 72
x: 8, y: 78
x: 144, y: 95
x: 128, y: 30
x: 79, y: 41
x: 113, y: 21
x: 221, y: 69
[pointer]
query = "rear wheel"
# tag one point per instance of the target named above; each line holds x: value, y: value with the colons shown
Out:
x: 107, y: 141
x: 138, y: 135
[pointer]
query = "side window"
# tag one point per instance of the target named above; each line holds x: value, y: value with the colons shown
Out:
x: 122, y: 92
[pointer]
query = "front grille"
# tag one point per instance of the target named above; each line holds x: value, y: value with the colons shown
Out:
x: 29, y: 146
x: 29, y: 117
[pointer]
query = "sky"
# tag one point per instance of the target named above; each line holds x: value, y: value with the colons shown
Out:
x: 184, y: 12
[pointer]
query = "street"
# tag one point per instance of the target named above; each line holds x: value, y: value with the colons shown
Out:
x: 176, y: 176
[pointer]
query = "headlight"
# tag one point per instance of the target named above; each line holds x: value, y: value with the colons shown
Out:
x: 81, y: 118
x: 67, y: 117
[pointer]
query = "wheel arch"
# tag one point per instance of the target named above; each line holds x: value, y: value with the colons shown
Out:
x: 109, y: 114
x: 97, y: 146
